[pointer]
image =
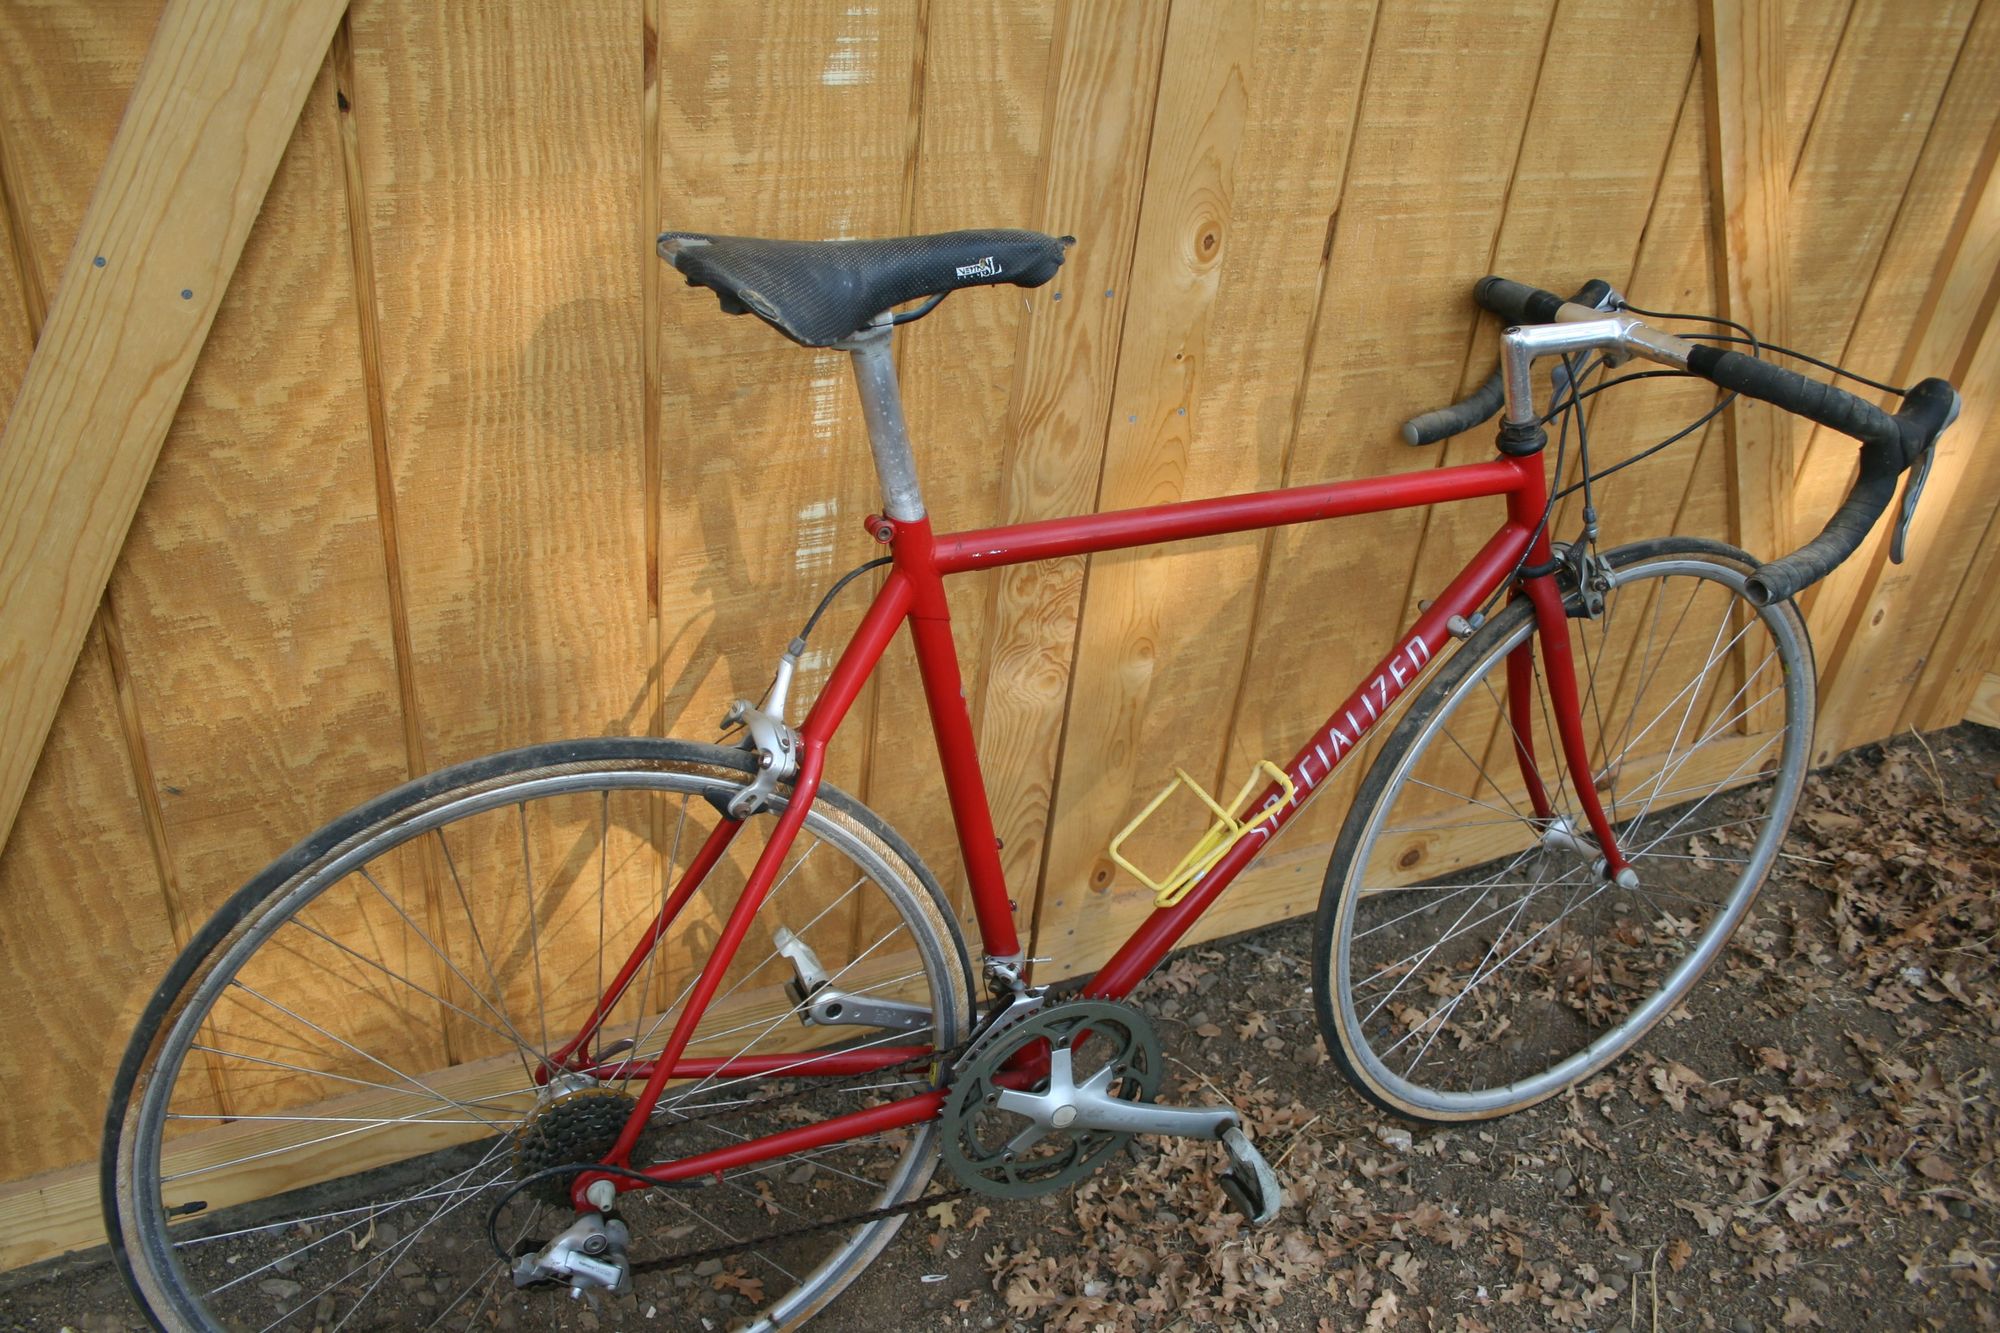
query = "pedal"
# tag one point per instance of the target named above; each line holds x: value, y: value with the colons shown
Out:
x: 1250, y: 1184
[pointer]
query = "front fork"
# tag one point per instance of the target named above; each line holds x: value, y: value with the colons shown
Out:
x: 1559, y: 663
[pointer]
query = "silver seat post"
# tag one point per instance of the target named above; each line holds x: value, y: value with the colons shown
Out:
x: 888, y: 433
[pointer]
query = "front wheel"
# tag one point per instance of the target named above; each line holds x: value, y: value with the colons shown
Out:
x: 349, y: 1067
x: 1472, y: 957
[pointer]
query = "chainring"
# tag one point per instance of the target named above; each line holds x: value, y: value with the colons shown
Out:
x: 1013, y: 1155
x: 574, y: 1127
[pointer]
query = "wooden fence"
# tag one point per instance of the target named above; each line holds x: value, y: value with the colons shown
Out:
x: 461, y: 466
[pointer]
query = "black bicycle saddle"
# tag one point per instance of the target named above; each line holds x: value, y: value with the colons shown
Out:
x: 818, y: 292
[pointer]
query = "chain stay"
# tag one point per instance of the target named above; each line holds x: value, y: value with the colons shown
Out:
x: 944, y: 1059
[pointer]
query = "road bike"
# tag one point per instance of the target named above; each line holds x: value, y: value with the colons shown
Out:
x: 599, y: 1012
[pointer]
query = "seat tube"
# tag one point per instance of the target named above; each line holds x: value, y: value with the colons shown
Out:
x: 888, y: 433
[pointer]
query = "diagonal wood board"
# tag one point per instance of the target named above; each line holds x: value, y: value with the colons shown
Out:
x: 209, y: 118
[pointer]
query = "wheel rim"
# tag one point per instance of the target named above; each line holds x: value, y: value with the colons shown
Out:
x: 1482, y: 961
x: 435, y: 1138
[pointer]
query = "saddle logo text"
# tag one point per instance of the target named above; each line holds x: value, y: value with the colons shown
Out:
x: 985, y: 268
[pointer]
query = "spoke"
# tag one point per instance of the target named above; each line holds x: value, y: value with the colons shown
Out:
x: 486, y: 961
x: 768, y: 958
x: 1479, y: 971
x: 348, y: 1045
x: 1482, y: 885
x: 438, y: 1097
x: 1511, y: 955
x: 508, y: 1036
x: 795, y: 1011
x: 693, y: 981
x: 534, y: 923
x: 652, y: 954
x: 1441, y: 823
x: 673, y: 1197
x: 437, y: 1190
x: 788, y: 1159
x: 1455, y: 931
x: 801, y: 1007
x: 1693, y: 693
x: 1696, y: 806
x: 377, y: 1257
x: 168, y: 1179
x: 1515, y: 818
x: 432, y: 946
x: 806, y: 1058
x: 391, y: 1255
x: 443, y: 1189
x: 1486, y: 777
x: 327, y: 1119
x: 1668, y: 772
x: 471, y: 1287
x: 1647, y: 672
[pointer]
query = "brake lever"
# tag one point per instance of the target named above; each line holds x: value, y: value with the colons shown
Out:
x: 1913, y: 489
x: 1932, y: 400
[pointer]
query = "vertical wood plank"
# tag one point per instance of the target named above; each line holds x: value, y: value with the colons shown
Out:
x: 785, y: 121
x: 1103, y: 79
x: 1138, y: 603
x: 17, y: 337
x: 1870, y: 218
x: 1967, y: 645
x: 1874, y: 619
x: 1898, y: 608
x: 251, y: 594
x: 1743, y: 75
x: 518, y: 486
x: 984, y: 70
x: 1392, y: 331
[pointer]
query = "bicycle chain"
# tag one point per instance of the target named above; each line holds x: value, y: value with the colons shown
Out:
x: 689, y: 1258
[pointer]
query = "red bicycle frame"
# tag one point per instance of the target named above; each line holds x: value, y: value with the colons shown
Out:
x: 914, y: 593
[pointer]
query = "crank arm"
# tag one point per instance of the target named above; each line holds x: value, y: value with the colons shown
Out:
x: 820, y: 1005
x: 1071, y: 1106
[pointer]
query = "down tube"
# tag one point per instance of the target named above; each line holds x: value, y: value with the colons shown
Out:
x: 1317, y: 761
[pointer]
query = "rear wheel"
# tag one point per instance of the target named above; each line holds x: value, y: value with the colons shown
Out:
x: 344, y: 1073
x: 1471, y: 957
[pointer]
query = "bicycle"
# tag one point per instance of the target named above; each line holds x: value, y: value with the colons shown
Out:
x: 760, y: 1048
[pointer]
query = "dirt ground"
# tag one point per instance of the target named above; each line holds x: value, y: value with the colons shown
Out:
x: 1808, y: 1143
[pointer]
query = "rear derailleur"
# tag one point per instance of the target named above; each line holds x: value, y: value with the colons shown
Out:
x: 589, y: 1257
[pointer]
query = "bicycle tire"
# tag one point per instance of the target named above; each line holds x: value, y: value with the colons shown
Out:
x: 1590, y: 993
x: 140, y: 1181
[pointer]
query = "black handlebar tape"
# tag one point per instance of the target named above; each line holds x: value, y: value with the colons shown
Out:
x: 1444, y: 422
x: 1516, y: 302
x: 1884, y: 455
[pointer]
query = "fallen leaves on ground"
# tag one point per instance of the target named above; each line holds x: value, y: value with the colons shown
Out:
x: 1808, y: 1144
